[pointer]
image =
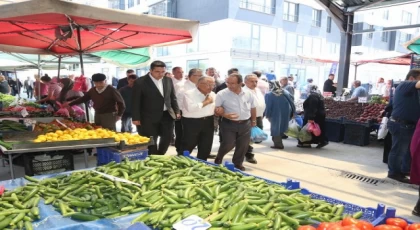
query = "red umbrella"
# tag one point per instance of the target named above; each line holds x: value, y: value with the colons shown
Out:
x: 66, y: 28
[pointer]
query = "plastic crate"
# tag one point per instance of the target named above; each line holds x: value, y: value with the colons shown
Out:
x: 106, y: 155
x: 369, y: 214
x: 390, y: 213
x: 334, y: 129
x: 356, y: 133
x: 36, y: 167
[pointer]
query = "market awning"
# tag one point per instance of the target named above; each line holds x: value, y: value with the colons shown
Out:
x: 128, y: 58
x: 413, y: 45
x: 44, y: 59
x: 390, y: 60
x: 61, y: 27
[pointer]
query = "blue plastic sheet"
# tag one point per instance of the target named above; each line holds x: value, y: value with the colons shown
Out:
x: 52, y: 220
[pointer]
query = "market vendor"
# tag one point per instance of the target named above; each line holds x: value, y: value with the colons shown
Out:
x: 359, y: 91
x: 107, y: 102
x: 53, y: 90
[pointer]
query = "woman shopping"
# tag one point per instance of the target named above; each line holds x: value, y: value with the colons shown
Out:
x: 314, y: 111
x: 68, y: 94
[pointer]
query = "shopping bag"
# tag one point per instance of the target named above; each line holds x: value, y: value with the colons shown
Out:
x: 62, y: 112
x: 258, y: 135
x: 314, y: 129
x: 299, y: 120
x: 383, y: 129
x: 78, y: 112
x: 304, y: 134
x: 80, y: 84
x: 293, y: 130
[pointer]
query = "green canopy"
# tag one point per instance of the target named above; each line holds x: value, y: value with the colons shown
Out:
x: 413, y: 45
x: 127, y: 58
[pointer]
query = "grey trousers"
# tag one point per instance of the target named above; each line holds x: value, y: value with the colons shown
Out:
x: 106, y: 120
x: 236, y: 135
x: 278, y: 141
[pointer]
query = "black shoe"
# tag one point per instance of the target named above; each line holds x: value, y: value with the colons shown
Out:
x: 212, y: 156
x: 322, y: 145
x: 415, y: 211
x: 217, y: 161
x: 251, y: 160
x: 406, y: 174
x: 400, y: 178
x: 277, y: 147
x: 240, y: 167
x: 285, y: 137
x: 304, y: 146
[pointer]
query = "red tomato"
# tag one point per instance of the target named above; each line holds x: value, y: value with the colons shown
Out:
x: 364, y: 225
x: 350, y: 227
x: 306, y: 227
x: 325, y: 225
x: 387, y: 227
x: 413, y: 227
x: 397, y: 222
x: 335, y: 227
x: 349, y: 221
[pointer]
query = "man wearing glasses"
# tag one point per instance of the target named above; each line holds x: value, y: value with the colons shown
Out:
x: 197, y: 117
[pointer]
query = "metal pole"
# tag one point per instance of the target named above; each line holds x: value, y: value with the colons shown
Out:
x: 17, y: 83
x: 79, y: 40
x: 355, y: 71
x: 345, y: 53
x: 59, y: 67
x: 39, y: 76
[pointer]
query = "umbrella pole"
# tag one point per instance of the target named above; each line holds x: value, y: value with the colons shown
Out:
x: 17, y: 83
x: 39, y: 77
x: 355, y: 71
x: 79, y: 41
x: 59, y: 67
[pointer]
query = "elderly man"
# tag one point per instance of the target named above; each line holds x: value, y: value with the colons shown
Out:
x: 236, y: 106
x: 155, y: 107
x: 197, y: 118
x: 107, y: 101
x: 180, y: 88
x: 284, y: 83
x: 178, y: 75
x: 251, y: 82
x: 359, y: 91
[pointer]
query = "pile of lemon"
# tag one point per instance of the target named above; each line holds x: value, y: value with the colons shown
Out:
x: 84, y: 134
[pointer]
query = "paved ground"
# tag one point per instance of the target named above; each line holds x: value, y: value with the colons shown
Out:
x: 320, y: 171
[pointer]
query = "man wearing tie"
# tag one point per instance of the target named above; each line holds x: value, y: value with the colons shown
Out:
x: 197, y: 117
x: 155, y: 107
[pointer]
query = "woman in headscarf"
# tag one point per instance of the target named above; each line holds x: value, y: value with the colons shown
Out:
x: 279, y: 110
x: 314, y: 111
x: 68, y: 94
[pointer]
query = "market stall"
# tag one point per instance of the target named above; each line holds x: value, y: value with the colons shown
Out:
x: 168, y: 191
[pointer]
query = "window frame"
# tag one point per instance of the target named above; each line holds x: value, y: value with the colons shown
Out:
x: 385, y: 36
x: 408, y: 16
x: 130, y: 3
x: 268, y: 9
x: 316, y: 17
x: 329, y: 24
x: 286, y: 12
x: 385, y: 14
x: 370, y: 35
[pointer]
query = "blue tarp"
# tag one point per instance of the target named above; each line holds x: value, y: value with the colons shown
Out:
x: 52, y: 220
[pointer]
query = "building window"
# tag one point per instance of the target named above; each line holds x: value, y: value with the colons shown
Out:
x: 160, y: 9
x: 385, y: 14
x: 130, y: 3
x: 265, y: 6
x: 168, y: 66
x: 406, y: 17
x: 291, y: 12
x: 201, y: 64
x: 247, y: 66
x: 384, y: 37
x: 404, y: 37
x: 281, y: 41
x: 268, y: 39
x: 116, y: 4
x: 241, y: 35
x: 162, y: 51
x: 316, y: 17
x: 329, y: 21
x: 370, y: 35
x: 255, y: 38
x: 291, y: 44
x: 299, y: 45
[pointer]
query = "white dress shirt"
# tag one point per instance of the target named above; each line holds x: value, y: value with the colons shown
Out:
x: 176, y: 81
x: 159, y: 85
x: 181, y: 88
x: 259, y: 100
x: 193, y: 104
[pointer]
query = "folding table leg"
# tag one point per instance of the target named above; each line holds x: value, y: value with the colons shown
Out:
x: 11, y: 166
x: 86, y: 158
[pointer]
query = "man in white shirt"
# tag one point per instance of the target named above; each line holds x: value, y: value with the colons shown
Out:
x: 178, y: 75
x: 180, y: 88
x: 197, y: 118
x: 251, y: 82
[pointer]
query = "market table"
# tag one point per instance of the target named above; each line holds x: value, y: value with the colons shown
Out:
x: 11, y: 154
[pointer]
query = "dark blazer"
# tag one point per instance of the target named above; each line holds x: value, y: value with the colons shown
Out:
x: 147, y: 105
x: 122, y: 82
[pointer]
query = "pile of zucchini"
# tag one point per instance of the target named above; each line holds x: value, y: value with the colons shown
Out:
x: 173, y: 188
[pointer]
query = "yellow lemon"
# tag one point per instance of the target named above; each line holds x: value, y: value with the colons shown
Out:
x: 59, y: 132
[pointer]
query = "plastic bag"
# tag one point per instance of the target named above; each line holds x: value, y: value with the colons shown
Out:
x: 299, y: 120
x: 293, y: 130
x: 78, y: 112
x: 258, y: 135
x: 304, y: 134
x: 383, y: 129
x: 314, y: 129
x: 62, y: 112
x: 80, y: 84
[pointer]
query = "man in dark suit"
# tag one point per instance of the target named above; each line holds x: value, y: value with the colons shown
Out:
x: 155, y: 107
x: 124, y: 81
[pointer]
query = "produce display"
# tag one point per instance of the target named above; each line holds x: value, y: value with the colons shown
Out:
x: 349, y: 223
x: 376, y: 99
x: 6, y: 99
x: 372, y: 112
x: 84, y: 134
x: 63, y: 125
x: 172, y: 188
x: 7, y: 125
x: 348, y: 110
